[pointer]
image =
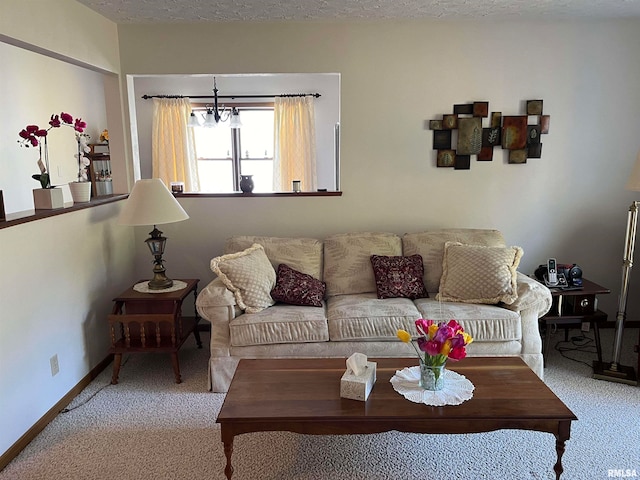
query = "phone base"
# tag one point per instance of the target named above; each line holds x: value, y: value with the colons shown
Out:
x: 562, y: 281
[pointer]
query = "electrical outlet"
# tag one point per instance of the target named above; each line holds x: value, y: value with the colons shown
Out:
x: 585, y: 326
x: 55, y: 367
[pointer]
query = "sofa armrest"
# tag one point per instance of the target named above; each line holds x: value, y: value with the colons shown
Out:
x: 532, y: 295
x: 215, y: 294
x: 217, y: 304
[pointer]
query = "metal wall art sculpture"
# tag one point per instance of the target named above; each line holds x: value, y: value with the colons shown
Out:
x: 519, y: 134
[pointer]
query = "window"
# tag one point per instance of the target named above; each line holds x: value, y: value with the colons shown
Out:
x: 225, y: 153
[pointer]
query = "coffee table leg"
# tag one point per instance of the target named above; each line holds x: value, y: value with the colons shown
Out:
x: 227, y: 439
x: 561, y: 437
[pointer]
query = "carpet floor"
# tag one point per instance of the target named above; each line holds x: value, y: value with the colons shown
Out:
x: 148, y: 427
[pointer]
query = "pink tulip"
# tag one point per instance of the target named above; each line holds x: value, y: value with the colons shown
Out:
x: 458, y: 353
x: 423, y: 325
x: 433, y: 347
x: 454, y: 325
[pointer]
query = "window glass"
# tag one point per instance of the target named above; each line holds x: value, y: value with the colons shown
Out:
x: 262, y: 171
x: 216, y: 176
x: 256, y: 134
x: 213, y: 142
x: 217, y: 152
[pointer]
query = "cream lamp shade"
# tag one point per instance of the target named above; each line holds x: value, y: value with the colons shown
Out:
x: 151, y: 203
x: 633, y: 183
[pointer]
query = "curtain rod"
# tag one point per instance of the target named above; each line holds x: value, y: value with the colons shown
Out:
x: 316, y: 95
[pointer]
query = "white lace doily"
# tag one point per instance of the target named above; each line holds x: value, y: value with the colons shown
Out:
x: 456, y: 390
x: 143, y: 287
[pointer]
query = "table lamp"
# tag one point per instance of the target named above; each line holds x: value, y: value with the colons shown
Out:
x: 614, y: 371
x: 151, y: 203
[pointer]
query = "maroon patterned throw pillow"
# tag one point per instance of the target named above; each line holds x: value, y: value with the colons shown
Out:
x: 297, y: 288
x: 399, y: 276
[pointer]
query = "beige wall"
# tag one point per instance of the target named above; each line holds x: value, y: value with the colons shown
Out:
x: 50, y: 86
x: 63, y: 28
x: 58, y: 274
x: 398, y: 75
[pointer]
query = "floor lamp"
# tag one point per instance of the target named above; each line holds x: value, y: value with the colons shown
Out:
x: 614, y: 371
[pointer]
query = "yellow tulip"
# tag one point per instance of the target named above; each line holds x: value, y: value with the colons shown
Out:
x: 432, y: 331
x: 467, y: 338
x: 404, y: 336
x: 446, y: 348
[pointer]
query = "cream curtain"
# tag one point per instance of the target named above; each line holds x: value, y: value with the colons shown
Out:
x: 173, y: 149
x: 294, y: 144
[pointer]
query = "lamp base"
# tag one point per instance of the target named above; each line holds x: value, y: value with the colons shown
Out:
x: 622, y: 374
x: 160, y: 282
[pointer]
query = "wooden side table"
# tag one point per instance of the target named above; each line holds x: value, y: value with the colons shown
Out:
x: 151, y: 322
x: 571, y: 308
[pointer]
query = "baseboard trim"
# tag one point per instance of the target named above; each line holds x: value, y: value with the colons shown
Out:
x: 30, y: 434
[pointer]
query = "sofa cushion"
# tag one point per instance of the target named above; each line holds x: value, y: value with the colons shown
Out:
x: 479, y: 274
x: 431, y: 246
x: 366, y: 317
x: 301, y: 254
x: 297, y: 288
x: 485, y: 323
x: 399, y: 276
x: 347, y: 264
x: 280, y: 324
x: 249, y: 275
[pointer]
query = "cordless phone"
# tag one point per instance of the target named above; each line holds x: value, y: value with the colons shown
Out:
x: 552, y: 272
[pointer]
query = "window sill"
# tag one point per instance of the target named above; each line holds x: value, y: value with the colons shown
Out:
x: 26, y: 216
x: 260, y: 195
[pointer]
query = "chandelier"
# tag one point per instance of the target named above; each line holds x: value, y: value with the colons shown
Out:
x: 214, y: 115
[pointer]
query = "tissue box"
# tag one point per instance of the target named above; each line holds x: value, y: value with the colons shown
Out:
x: 358, y: 387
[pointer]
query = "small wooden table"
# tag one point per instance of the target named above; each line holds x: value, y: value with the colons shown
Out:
x: 303, y: 396
x: 571, y: 308
x: 151, y: 322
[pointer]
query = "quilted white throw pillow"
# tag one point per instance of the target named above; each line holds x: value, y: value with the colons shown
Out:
x: 479, y: 274
x: 249, y: 275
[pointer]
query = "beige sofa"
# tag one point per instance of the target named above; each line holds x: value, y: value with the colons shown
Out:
x: 353, y: 319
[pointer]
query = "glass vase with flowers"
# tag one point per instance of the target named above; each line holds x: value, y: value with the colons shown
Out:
x: 435, y: 344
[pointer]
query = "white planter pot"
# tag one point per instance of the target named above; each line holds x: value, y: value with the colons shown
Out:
x: 80, y: 191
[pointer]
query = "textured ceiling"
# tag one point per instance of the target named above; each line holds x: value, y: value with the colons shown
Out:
x: 181, y: 11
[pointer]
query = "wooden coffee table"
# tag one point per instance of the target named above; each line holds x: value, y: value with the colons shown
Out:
x: 303, y: 396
